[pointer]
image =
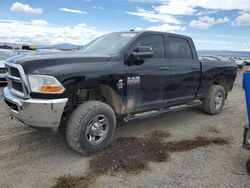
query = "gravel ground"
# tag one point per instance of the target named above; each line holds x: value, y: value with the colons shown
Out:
x: 29, y: 158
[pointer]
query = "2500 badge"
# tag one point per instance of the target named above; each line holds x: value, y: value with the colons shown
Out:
x: 133, y: 80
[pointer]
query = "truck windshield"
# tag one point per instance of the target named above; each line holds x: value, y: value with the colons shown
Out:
x: 109, y: 44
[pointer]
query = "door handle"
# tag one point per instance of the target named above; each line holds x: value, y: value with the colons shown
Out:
x: 163, y: 68
x: 195, y: 67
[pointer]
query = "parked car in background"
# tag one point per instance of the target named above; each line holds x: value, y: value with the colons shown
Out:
x: 208, y: 58
x: 213, y: 58
x: 4, y: 54
x: 240, y: 63
x: 247, y: 61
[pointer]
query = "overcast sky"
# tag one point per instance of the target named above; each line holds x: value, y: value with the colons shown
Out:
x: 213, y: 24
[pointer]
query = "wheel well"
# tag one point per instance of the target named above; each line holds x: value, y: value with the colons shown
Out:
x: 101, y: 92
x: 221, y: 80
x: 110, y: 97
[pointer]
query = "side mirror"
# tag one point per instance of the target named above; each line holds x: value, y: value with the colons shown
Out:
x: 143, y: 52
x: 137, y: 57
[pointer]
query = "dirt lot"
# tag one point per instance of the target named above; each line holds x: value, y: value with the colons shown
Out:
x: 193, y: 152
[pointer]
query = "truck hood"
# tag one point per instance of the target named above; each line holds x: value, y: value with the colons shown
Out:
x: 45, y: 63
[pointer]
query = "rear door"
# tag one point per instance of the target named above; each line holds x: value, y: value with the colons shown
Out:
x: 185, y: 70
x: 146, y: 82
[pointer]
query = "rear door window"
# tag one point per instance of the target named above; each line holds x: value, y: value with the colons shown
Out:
x: 179, y: 48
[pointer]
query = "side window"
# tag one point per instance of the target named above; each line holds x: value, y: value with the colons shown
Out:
x: 156, y: 42
x: 179, y: 48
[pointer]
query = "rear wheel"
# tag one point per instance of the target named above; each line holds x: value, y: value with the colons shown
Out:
x: 214, y: 102
x: 90, y: 127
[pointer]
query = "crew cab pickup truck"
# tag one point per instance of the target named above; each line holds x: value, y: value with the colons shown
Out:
x: 125, y: 74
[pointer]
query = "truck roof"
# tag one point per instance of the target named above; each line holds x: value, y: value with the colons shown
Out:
x: 155, y: 32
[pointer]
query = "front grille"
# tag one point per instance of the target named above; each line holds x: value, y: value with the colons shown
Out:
x: 17, y: 86
x: 15, y: 78
x: 14, y: 72
x: 2, y: 71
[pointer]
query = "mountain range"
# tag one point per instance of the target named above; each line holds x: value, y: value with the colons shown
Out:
x: 224, y: 53
x: 68, y: 46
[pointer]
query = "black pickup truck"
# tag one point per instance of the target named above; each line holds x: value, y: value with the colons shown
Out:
x: 125, y: 74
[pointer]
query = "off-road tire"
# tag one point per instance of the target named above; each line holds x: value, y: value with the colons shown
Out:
x: 209, y: 101
x: 78, y: 122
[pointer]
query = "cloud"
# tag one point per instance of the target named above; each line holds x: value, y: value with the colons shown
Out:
x: 19, y: 7
x: 221, y: 45
x: 243, y: 19
x: 163, y: 28
x: 188, y: 7
x: 247, y: 11
x: 205, y: 22
x: 15, y: 31
x: 174, y: 10
x: 220, y: 5
x: 72, y: 11
x: 153, y: 16
x: 100, y: 8
x: 39, y: 22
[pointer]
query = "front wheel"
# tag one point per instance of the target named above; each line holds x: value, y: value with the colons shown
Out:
x: 214, y: 102
x: 91, y: 127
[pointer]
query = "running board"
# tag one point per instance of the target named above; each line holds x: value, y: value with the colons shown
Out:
x: 153, y: 113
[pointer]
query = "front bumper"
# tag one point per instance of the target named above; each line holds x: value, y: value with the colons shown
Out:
x: 246, y: 138
x: 40, y: 113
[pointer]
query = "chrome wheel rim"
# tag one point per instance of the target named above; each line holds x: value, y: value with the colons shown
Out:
x: 97, y: 129
x: 218, y: 101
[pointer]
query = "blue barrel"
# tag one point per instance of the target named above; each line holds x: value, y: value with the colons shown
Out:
x: 246, y: 85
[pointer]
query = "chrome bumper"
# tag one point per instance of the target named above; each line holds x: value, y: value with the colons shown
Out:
x: 40, y: 113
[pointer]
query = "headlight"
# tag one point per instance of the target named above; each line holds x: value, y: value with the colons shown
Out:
x: 45, y: 84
